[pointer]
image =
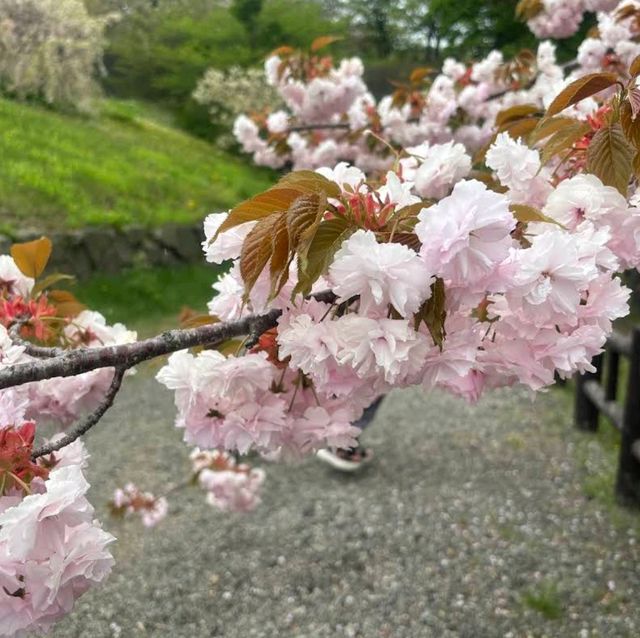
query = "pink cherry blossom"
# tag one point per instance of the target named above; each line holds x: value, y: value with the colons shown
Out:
x: 381, y: 274
x: 466, y: 235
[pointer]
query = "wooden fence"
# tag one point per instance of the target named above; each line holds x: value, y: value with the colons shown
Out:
x: 596, y: 395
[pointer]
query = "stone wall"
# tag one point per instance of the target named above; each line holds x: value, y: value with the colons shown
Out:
x: 108, y: 251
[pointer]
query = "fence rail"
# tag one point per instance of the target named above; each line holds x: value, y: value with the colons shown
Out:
x: 593, y: 397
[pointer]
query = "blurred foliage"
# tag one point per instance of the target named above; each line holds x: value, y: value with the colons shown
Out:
x: 230, y: 93
x: 159, y: 50
x: 149, y: 299
x: 124, y: 166
x: 49, y: 51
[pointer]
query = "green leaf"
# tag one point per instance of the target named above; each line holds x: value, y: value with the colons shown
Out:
x: 433, y: 314
x: 563, y: 140
x: 315, y: 259
x: 610, y: 157
x: 548, y: 126
x: 527, y: 214
x: 49, y: 280
x: 580, y: 89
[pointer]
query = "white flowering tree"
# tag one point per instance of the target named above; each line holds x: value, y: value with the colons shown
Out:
x: 51, y: 49
x: 432, y: 268
x: 227, y: 94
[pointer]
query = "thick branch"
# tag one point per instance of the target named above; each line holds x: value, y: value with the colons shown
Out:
x: 88, y: 422
x: 124, y: 356
x: 127, y: 355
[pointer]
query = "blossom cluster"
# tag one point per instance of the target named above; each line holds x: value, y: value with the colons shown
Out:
x: 400, y: 260
x: 52, y: 549
x: 228, y: 94
x: 58, y: 400
x: 454, y: 291
x: 461, y: 104
x: 613, y: 44
x: 562, y: 18
x: 230, y: 486
x: 131, y: 500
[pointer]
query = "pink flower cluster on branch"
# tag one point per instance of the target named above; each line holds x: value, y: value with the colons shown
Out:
x: 400, y: 260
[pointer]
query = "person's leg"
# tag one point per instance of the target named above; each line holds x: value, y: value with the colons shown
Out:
x: 351, y: 459
x: 369, y: 414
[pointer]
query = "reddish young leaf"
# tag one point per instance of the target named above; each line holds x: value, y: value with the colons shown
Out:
x: 563, y: 140
x: 66, y: 303
x: 280, y: 258
x: 634, y: 68
x: 275, y: 200
x: 419, y: 74
x: 580, y: 89
x: 514, y: 113
x: 310, y: 182
x: 433, y: 314
x: 303, y: 216
x: 31, y: 257
x: 323, y: 41
x: 630, y: 126
x: 610, y: 157
x: 528, y: 9
x: 257, y: 249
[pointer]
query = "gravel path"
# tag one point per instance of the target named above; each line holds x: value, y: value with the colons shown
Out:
x: 472, y: 522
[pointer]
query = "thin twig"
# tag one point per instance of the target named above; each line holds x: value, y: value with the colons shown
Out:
x: 39, y: 352
x: 88, y: 422
x: 317, y: 127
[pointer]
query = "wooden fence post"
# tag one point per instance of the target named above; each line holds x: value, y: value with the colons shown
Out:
x: 628, y: 480
x: 585, y: 411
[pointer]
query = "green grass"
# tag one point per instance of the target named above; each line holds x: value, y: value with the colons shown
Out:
x: 149, y: 300
x: 126, y: 165
x: 545, y: 599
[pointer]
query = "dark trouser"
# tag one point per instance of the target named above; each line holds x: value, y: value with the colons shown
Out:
x: 369, y: 414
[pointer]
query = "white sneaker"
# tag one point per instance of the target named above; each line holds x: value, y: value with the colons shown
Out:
x: 343, y: 462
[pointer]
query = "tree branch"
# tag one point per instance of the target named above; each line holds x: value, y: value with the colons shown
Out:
x: 317, y: 127
x: 88, y: 422
x: 39, y: 352
x: 127, y: 355
x: 73, y: 362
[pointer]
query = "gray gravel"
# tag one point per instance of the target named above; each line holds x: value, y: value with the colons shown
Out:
x: 471, y: 522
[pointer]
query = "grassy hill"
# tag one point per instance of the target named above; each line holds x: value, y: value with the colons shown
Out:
x: 122, y: 167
